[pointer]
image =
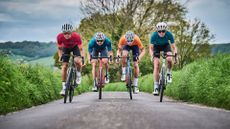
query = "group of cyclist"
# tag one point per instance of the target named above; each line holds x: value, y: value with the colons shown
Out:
x: 69, y: 41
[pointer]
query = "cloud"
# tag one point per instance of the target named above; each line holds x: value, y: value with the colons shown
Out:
x: 36, y: 19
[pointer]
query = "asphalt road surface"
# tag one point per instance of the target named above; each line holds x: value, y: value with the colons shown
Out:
x: 117, y: 111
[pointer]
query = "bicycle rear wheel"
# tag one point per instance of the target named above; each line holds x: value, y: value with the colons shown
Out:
x: 68, y: 84
x: 130, y: 83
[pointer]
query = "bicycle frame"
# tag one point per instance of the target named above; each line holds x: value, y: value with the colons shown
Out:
x: 71, y: 79
x: 163, y: 75
x: 100, y: 82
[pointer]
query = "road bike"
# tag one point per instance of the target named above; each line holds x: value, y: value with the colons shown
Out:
x: 99, y: 79
x: 71, y: 78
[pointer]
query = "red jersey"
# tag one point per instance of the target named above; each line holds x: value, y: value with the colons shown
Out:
x: 69, y: 43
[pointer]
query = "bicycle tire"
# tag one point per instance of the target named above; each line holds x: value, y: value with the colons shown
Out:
x: 100, y: 83
x: 130, y: 84
x: 68, y: 84
x: 162, y: 84
x: 72, y: 85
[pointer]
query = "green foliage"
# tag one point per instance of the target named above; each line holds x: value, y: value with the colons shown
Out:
x: 24, y: 85
x: 206, y: 81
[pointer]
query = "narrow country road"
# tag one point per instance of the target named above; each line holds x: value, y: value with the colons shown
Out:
x: 116, y: 111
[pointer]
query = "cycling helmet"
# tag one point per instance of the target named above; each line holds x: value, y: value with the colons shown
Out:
x: 100, y: 36
x: 161, y: 26
x: 67, y: 28
x: 129, y: 36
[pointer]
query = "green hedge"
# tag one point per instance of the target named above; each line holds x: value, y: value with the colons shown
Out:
x: 23, y: 85
x: 206, y: 81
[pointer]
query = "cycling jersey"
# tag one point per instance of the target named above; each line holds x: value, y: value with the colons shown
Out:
x: 157, y: 40
x: 136, y: 42
x: 69, y: 43
x: 94, y: 46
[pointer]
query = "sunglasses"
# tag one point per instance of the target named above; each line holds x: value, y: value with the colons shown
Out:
x: 161, y: 31
x: 100, y: 41
x: 65, y: 33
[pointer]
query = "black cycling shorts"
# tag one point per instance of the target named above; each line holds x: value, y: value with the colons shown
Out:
x: 158, y: 48
x: 135, y: 50
x: 66, y: 53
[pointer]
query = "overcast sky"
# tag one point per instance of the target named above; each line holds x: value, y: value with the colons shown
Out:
x: 41, y: 20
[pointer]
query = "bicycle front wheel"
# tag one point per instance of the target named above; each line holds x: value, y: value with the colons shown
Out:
x: 130, y: 83
x: 162, y: 84
x: 100, y: 83
x: 68, y: 84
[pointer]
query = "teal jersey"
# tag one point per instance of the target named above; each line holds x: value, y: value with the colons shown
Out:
x: 155, y: 39
x: 93, y: 45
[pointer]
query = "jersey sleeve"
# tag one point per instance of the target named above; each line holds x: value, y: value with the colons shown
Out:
x: 139, y: 43
x: 153, y: 39
x: 171, y: 38
x: 109, y: 44
x: 90, y: 46
x: 121, y: 42
x: 59, y: 42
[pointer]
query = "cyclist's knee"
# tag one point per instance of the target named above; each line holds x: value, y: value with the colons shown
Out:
x: 136, y: 65
x: 65, y: 65
x: 105, y: 61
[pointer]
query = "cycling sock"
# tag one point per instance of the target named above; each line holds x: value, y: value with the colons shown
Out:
x: 78, y: 74
x: 123, y: 70
x: 135, y: 82
x: 156, y: 84
x: 169, y: 71
x: 63, y: 85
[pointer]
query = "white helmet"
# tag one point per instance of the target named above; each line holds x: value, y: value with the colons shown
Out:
x: 129, y: 36
x: 100, y: 36
x: 67, y: 28
x: 161, y: 26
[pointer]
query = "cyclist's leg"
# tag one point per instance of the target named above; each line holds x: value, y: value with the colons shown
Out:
x: 104, y: 52
x: 135, y: 52
x: 156, y: 62
x: 94, y: 63
x: 167, y: 49
x: 65, y: 59
x: 125, y: 51
x: 78, y: 63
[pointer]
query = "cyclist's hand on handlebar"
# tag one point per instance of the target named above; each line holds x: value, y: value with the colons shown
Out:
x: 110, y: 59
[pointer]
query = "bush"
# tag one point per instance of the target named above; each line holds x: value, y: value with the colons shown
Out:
x: 206, y: 81
x: 24, y: 85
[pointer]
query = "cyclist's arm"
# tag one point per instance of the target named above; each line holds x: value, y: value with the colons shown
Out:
x: 82, y: 50
x: 151, y: 50
x: 142, y: 53
x: 120, y: 46
x: 59, y: 52
x: 174, y: 48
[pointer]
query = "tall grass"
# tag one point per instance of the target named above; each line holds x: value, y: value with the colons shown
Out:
x: 206, y: 81
x: 23, y: 85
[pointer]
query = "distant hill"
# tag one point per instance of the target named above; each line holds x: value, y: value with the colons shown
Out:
x: 220, y: 48
x: 28, y: 49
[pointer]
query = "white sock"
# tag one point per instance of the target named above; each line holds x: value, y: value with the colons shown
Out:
x: 135, y: 82
x: 123, y: 70
x: 78, y: 74
x: 169, y: 71
x: 63, y: 85
x: 156, y: 84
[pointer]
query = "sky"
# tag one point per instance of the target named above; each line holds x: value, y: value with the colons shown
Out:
x: 41, y: 20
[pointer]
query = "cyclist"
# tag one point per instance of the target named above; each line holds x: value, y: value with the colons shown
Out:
x: 100, y: 43
x: 69, y: 41
x: 159, y: 41
x: 127, y: 42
